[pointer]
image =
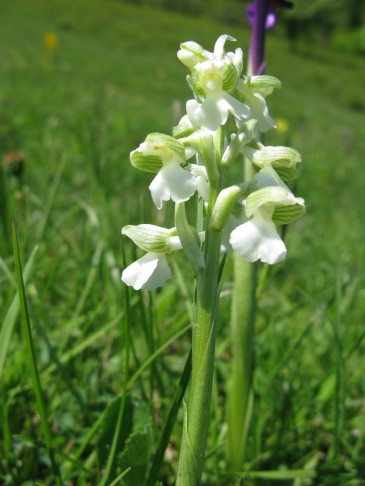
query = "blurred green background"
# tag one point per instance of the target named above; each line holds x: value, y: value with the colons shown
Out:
x: 82, y: 84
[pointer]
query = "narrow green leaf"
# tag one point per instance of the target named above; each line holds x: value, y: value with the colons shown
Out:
x: 10, y: 318
x: 32, y: 360
x: 118, y: 478
x: 169, y: 423
x: 285, y: 474
x: 124, y: 331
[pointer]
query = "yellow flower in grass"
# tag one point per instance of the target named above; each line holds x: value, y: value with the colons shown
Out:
x: 282, y: 125
x: 50, y: 41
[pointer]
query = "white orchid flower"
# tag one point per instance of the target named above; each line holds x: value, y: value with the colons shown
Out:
x: 163, y: 154
x: 172, y: 182
x: 214, y: 110
x: 273, y: 202
x: 152, y: 270
x: 213, y: 77
x: 149, y: 272
x: 258, y: 239
x: 257, y: 104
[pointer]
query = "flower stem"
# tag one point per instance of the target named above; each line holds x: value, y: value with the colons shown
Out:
x: 242, y: 331
x: 196, y: 417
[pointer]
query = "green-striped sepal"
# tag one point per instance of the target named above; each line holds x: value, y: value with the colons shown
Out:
x: 157, y: 150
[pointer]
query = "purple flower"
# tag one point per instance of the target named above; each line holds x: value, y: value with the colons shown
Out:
x: 261, y: 16
x: 270, y: 19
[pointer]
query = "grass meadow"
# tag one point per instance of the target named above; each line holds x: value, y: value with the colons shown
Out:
x: 72, y: 115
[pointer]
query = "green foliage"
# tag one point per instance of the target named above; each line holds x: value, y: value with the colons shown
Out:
x: 74, y: 118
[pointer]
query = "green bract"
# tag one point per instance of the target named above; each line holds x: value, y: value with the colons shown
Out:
x: 157, y: 150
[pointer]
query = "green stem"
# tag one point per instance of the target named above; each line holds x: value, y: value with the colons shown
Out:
x: 196, y: 419
x: 242, y: 331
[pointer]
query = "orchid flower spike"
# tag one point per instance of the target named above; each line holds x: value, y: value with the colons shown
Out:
x: 163, y: 154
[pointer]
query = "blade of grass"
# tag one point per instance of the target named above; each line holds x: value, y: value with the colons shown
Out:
x: 32, y: 359
x: 8, y: 273
x: 49, y: 202
x: 95, y: 263
x: 121, y: 476
x: 169, y: 423
x: 157, y: 353
x: 67, y: 356
x: 5, y: 423
x: 125, y: 330
x: 284, y: 475
x: 4, y: 214
x: 10, y: 318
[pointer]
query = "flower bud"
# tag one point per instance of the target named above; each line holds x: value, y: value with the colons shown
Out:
x: 224, y: 204
x: 191, y: 53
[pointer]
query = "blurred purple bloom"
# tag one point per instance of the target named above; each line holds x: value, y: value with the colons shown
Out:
x: 251, y: 14
x: 270, y: 16
x: 261, y: 16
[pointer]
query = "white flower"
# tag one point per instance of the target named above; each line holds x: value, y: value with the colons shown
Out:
x: 213, y: 77
x: 149, y: 272
x: 152, y: 270
x: 258, y: 107
x: 214, y: 110
x: 172, y: 182
x: 271, y: 203
x: 191, y: 54
x: 231, y: 225
x: 200, y: 173
x: 258, y: 239
x: 163, y: 154
x: 281, y: 161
